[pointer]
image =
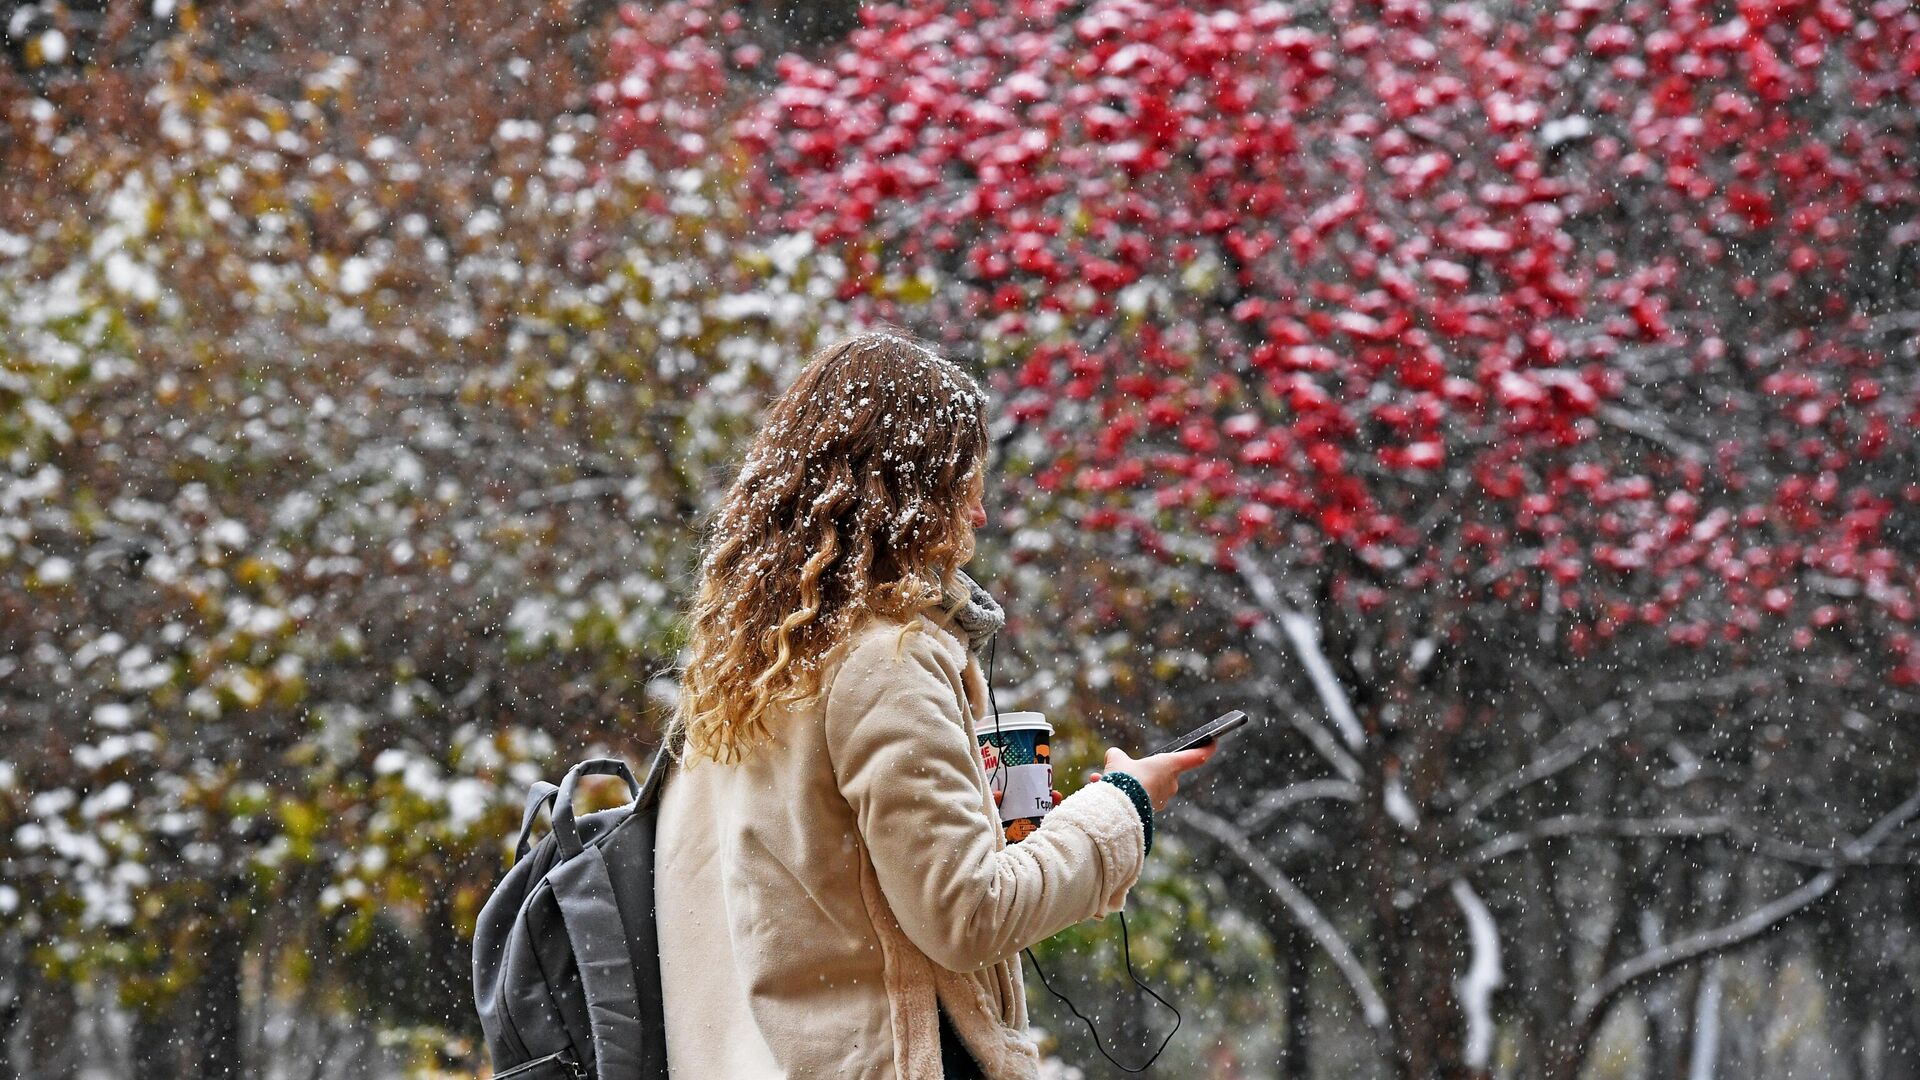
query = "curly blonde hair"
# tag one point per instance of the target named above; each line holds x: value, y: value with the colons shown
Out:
x: 848, y: 504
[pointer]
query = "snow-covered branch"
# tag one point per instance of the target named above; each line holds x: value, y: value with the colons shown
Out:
x: 1587, y: 1010
x: 1398, y: 804
x: 1591, y: 1005
x: 1299, y: 906
x: 1483, y: 975
x: 1304, y: 635
x: 1733, y: 684
x: 1274, y: 803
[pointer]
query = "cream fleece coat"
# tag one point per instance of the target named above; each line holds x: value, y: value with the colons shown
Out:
x: 817, y: 898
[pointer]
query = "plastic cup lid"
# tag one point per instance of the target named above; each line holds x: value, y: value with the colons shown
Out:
x: 1013, y: 721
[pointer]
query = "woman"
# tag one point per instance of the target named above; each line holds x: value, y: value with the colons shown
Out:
x: 836, y: 896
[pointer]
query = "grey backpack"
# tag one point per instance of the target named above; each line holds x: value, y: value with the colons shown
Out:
x: 566, y: 958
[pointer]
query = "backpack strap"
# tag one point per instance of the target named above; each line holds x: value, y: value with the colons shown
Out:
x: 584, y: 890
x: 540, y: 794
x: 583, y: 887
x: 656, y: 777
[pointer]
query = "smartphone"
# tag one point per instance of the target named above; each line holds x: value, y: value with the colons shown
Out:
x: 1205, y: 733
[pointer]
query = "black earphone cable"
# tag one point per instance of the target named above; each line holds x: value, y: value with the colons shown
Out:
x: 1126, y: 946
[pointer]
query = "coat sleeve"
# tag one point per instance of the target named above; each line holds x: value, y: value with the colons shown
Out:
x: 902, y: 759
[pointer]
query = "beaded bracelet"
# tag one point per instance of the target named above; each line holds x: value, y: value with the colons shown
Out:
x: 1136, y: 791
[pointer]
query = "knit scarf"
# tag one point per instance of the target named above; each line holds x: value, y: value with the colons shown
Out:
x: 980, y: 617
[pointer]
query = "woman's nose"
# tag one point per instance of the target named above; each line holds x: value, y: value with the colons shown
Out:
x: 979, y: 515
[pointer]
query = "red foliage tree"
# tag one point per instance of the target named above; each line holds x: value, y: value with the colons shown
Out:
x: 1311, y: 266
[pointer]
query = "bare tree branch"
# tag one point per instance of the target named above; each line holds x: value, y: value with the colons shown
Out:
x: 1732, y: 685
x: 1641, y: 424
x: 1611, y: 719
x: 1608, y: 721
x: 1589, y: 825
x: 1739, y: 833
x: 1316, y: 734
x: 1576, y: 743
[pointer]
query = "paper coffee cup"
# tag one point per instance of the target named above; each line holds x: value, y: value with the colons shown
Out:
x: 1016, y: 753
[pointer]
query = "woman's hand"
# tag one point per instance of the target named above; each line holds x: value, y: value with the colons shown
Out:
x: 1160, y: 773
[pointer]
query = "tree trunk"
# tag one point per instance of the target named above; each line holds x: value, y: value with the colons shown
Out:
x: 1426, y: 1009
x: 156, y: 1048
x: 1420, y: 952
x: 13, y: 975
x: 218, y: 1049
x: 1846, y: 955
x: 1899, y: 1029
x: 1296, y: 1049
x: 1543, y: 961
x: 1673, y: 1002
x: 51, y: 1053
